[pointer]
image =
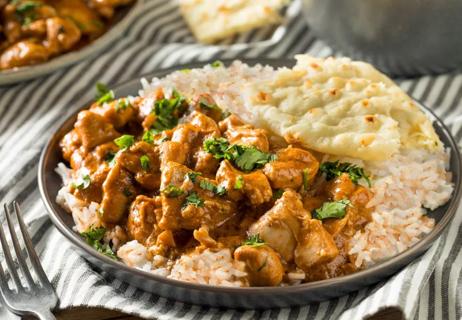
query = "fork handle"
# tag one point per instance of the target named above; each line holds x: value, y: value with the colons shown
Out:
x: 45, y: 315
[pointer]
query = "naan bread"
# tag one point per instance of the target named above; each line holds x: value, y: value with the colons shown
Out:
x: 340, y: 107
x: 212, y: 20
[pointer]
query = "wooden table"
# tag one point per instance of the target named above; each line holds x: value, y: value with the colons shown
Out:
x: 102, y: 314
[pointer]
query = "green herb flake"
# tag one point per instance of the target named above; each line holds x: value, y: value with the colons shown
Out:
x: 335, y: 169
x: 194, y: 200
x: 277, y: 193
x: 168, y: 111
x: 207, y: 185
x: 254, y: 241
x: 239, y: 183
x: 246, y: 158
x: 193, y: 175
x: 82, y: 182
x: 306, y: 181
x: 334, y: 209
x: 27, y: 6
x: 217, y: 64
x: 103, y: 94
x: 172, y: 191
x: 124, y: 142
x: 205, y: 104
x: 145, y: 162
x: 122, y: 104
x: 94, y: 237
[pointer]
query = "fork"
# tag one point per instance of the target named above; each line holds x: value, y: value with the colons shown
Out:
x: 39, y: 297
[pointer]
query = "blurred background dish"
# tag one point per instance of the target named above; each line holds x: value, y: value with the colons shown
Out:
x: 402, y: 38
x: 39, y: 37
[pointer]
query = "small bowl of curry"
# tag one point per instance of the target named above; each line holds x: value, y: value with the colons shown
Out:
x: 40, y: 36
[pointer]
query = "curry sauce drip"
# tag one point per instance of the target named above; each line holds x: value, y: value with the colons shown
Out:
x: 209, y: 180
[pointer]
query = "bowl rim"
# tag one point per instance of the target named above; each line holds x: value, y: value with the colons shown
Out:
x: 11, y: 76
x: 414, y: 251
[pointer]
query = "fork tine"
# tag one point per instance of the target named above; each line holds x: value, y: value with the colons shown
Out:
x: 17, y: 248
x: 3, y: 282
x: 8, y: 258
x: 35, y: 261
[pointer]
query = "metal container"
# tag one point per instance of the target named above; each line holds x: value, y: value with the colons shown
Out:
x: 400, y: 37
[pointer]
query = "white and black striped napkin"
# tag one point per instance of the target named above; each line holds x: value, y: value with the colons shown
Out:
x: 429, y: 288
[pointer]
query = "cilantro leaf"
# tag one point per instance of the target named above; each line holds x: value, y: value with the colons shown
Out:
x: 217, y: 64
x: 207, y: 185
x: 193, y: 175
x: 125, y: 141
x: 334, y: 209
x: 306, y: 181
x: 145, y: 162
x: 193, y: 199
x: 122, y: 104
x: 335, y: 169
x: 168, y: 111
x: 172, y: 191
x: 27, y: 6
x: 94, y: 237
x: 103, y: 94
x: 254, y: 241
x: 246, y: 158
x: 239, y: 183
x: 82, y: 182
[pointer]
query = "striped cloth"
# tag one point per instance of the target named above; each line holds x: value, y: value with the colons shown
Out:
x: 429, y: 288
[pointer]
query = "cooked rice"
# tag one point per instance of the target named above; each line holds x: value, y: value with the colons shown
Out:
x: 403, y: 187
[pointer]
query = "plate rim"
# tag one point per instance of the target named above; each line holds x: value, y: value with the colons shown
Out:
x: 415, y: 251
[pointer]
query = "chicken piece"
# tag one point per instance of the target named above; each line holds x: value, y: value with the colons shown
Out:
x: 254, y: 186
x: 35, y: 29
x: 202, y: 235
x: 341, y: 187
x: 243, y: 134
x: 86, y: 19
x: 316, y: 246
x: 62, y: 35
x: 172, y: 151
x: 93, y: 130
x: 117, y: 112
x: 207, y: 126
x: 106, y: 8
x: 118, y: 192
x: 280, y: 226
x: 205, y: 163
x: 23, y: 53
x: 207, y: 105
x: 292, y: 168
x: 94, y: 192
x: 177, y: 213
x: 141, y: 222
x: 70, y: 143
x: 142, y: 159
x: 263, y: 264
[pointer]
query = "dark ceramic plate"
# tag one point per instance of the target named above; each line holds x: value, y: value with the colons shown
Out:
x: 263, y: 297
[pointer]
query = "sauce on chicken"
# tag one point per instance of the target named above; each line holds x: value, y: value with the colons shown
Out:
x: 187, y: 176
x: 34, y: 31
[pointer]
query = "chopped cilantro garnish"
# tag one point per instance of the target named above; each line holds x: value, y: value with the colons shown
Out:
x: 145, y: 162
x: 239, y: 183
x: 277, y: 193
x: 193, y: 199
x: 148, y: 136
x: 103, y: 94
x: 122, y: 104
x: 94, y: 237
x: 254, y: 241
x: 205, y: 104
x: 246, y: 158
x: 193, y: 175
x: 82, y: 182
x: 168, y: 111
x: 335, y: 169
x: 207, y: 185
x: 172, y: 191
x: 109, y: 157
x: 124, y: 142
x: 217, y: 64
x: 334, y: 209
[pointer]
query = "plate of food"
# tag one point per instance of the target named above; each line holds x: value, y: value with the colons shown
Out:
x: 38, y: 37
x: 252, y: 184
